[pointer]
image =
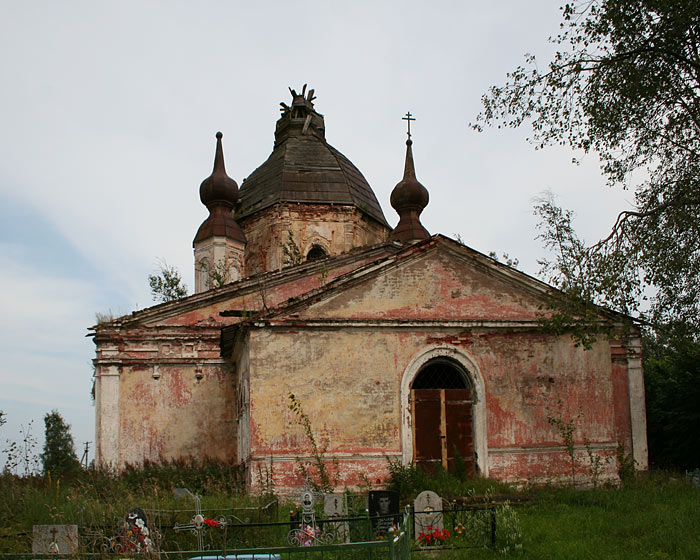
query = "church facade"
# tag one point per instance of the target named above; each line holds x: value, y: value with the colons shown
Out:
x: 395, y: 343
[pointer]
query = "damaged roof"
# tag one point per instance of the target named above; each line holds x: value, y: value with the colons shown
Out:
x: 304, y: 168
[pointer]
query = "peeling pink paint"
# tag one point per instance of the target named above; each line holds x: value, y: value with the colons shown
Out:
x: 345, y: 350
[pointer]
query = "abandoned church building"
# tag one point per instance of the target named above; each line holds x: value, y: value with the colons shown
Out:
x: 396, y: 343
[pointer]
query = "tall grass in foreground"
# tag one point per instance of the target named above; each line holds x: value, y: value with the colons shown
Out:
x: 655, y: 517
x: 102, y: 498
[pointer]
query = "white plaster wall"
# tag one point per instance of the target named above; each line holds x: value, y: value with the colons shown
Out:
x: 638, y: 415
x: 107, y: 415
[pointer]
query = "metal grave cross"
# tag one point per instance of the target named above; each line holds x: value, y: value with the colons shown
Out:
x: 308, y: 531
x: 196, y: 525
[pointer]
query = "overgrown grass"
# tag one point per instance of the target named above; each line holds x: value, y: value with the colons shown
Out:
x: 655, y: 517
x: 101, y: 498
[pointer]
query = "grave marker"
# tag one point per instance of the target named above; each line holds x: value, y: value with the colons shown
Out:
x: 384, y: 509
x: 335, y: 505
x: 428, y: 512
x: 55, y: 539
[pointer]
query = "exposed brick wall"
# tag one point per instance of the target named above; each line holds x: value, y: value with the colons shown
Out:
x: 337, y: 229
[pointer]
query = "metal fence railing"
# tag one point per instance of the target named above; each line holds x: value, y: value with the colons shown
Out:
x: 211, y: 534
x: 359, y: 542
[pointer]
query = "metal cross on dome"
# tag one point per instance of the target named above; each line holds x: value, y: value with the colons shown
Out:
x: 408, y: 118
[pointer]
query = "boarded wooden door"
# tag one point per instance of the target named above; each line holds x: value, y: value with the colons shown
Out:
x: 442, y: 429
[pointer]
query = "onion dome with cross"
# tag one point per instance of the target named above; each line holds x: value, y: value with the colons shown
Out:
x: 409, y: 198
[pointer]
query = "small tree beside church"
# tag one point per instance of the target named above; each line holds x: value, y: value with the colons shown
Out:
x: 59, y: 455
x: 167, y: 284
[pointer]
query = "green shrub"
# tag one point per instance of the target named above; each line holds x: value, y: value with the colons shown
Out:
x: 409, y: 481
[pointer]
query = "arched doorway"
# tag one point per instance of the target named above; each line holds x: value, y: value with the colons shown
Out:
x: 442, y: 413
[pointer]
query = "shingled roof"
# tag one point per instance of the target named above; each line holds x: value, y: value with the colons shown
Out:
x: 304, y: 168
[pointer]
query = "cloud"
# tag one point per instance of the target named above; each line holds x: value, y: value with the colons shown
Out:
x: 45, y: 353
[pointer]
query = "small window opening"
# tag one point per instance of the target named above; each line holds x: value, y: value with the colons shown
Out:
x: 316, y: 253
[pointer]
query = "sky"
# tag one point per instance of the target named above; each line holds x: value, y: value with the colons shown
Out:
x: 108, y: 115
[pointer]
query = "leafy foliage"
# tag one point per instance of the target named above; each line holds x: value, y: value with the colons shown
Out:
x: 625, y: 83
x: 167, y: 284
x: 21, y: 456
x: 626, y: 466
x: 568, y: 426
x: 586, y: 278
x: 510, y: 532
x: 59, y: 455
x: 672, y: 379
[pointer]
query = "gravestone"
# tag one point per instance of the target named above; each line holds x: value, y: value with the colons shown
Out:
x: 427, y: 508
x: 384, y: 510
x: 55, y: 539
x: 335, y: 505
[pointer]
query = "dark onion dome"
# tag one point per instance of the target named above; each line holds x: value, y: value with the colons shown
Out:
x: 219, y: 193
x: 409, y: 198
x: 218, y: 187
x: 304, y: 168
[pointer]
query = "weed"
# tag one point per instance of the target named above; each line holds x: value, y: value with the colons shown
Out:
x: 509, y: 532
x: 625, y: 464
x: 21, y: 455
x: 566, y: 429
x: 266, y: 480
x: 166, y: 284
x: 104, y: 317
x: 323, y: 481
x: 219, y: 274
x: 291, y: 254
x: 323, y: 273
x: 596, y: 462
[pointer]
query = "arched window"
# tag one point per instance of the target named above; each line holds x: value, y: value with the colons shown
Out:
x: 441, y: 373
x: 316, y: 253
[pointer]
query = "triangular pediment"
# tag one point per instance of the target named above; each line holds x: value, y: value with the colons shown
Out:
x: 254, y: 295
x: 439, y: 280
